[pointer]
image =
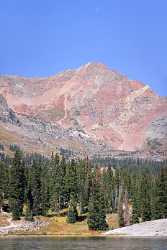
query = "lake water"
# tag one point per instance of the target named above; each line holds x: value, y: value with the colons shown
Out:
x: 82, y: 244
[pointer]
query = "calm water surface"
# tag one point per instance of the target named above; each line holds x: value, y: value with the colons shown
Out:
x: 82, y: 244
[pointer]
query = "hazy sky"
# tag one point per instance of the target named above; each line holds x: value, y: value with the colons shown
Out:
x: 42, y: 37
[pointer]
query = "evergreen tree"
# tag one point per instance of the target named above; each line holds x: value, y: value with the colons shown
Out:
x: 161, y: 195
x: 44, y: 190
x: 17, y: 185
x: 108, y: 188
x: 135, y: 210
x: 58, y: 195
x: 121, y: 217
x: 29, y: 213
x: 36, y: 187
x: 63, y: 194
x: 3, y: 182
x: 72, y: 215
x: 15, y: 210
x: 71, y: 186
x: 83, y: 183
x: 96, y: 210
x: 136, y: 213
x: 145, y: 198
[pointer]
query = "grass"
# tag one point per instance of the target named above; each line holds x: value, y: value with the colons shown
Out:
x: 4, y: 220
x: 59, y: 227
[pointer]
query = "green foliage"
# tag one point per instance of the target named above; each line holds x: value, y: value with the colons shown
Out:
x: 28, y: 213
x: 161, y: 195
x: 145, y: 197
x: 136, y: 210
x: 17, y: 184
x: 4, y: 182
x: 15, y: 210
x: 97, y: 215
x: 35, y: 181
x: 45, y: 185
x: 72, y: 215
x: 58, y: 195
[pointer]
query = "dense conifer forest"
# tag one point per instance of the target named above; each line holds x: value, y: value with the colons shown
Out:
x: 32, y: 185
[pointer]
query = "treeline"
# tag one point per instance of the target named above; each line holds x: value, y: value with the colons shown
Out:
x: 33, y: 185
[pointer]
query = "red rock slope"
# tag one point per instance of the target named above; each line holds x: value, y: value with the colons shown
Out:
x: 95, y: 103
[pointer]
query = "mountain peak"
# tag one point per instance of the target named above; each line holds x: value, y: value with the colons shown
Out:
x: 92, y: 65
x: 102, y: 103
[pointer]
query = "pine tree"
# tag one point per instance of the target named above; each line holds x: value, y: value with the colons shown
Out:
x: 72, y: 215
x: 145, y: 198
x: 108, y: 188
x: 71, y: 186
x: 17, y: 185
x: 120, y: 206
x: 83, y: 183
x: 135, y: 211
x: 29, y: 213
x: 96, y: 210
x: 154, y: 199
x: 36, y: 187
x: 44, y: 192
x: 135, y: 200
x: 63, y: 195
x: 59, y: 197
x: 121, y: 218
x: 15, y: 210
x: 3, y: 180
x: 161, y: 195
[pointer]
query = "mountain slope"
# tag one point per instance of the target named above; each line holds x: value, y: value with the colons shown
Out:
x: 91, y: 109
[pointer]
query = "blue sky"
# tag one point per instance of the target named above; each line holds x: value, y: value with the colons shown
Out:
x: 43, y: 37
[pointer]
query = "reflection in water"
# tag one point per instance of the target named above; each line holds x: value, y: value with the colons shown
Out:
x: 82, y: 244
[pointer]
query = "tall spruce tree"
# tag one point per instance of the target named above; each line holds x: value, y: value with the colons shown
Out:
x: 145, y: 198
x: 17, y: 185
x: 3, y: 182
x: 135, y: 190
x: 36, y: 187
x: 58, y: 196
x: 71, y: 186
x: 135, y: 209
x: 28, y: 213
x: 96, y: 210
x: 161, y: 195
x: 44, y: 191
x: 72, y: 215
x: 83, y: 183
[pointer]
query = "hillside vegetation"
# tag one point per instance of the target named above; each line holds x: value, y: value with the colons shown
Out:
x: 89, y: 194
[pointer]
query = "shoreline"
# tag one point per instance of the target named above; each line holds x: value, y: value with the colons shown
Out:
x: 68, y: 236
x: 57, y: 227
x: 154, y: 229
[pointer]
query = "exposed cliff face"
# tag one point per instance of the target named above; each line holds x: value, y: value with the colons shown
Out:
x: 92, y: 106
x: 7, y: 114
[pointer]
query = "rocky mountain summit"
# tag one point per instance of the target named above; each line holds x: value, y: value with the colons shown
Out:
x: 90, y: 110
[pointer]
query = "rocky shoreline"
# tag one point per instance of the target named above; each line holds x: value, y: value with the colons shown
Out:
x: 156, y: 228
x: 149, y: 229
x: 22, y: 226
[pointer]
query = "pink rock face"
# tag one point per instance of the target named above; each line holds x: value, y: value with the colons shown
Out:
x: 104, y: 104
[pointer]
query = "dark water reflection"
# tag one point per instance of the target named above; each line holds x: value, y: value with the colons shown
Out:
x: 82, y: 244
